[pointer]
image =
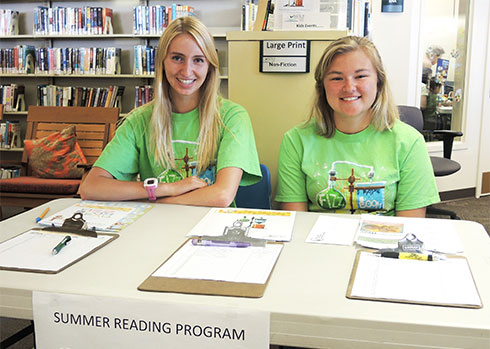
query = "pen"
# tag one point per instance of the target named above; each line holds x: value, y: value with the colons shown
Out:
x: 66, y: 240
x: 410, y: 255
x: 201, y: 242
x: 42, y: 215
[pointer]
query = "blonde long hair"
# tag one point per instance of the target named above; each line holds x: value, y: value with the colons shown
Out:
x: 383, y: 112
x: 209, y: 118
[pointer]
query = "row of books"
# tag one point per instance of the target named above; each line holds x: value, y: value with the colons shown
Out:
x: 19, y: 59
x: 359, y: 17
x: 12, y: 97
x: 52, y: 95
x: 249, y: 14
x: 143, y: 95
x: 9, y: 22
x: 73, y: 20
x: 55, y: 60
x: 9, y: 172
x: 10, y: 135
x: 82, y: 60
x: 154, y: 19
x: 144, y: 60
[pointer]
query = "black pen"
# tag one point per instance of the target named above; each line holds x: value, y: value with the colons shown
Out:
x: 66, y: 240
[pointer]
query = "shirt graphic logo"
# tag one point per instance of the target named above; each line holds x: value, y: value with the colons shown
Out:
x: 186, y: 166
x: 351, y: 187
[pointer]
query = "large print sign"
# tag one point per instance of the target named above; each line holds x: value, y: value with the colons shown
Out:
x: 75, y: 321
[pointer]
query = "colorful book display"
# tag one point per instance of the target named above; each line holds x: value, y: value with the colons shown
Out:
x: 12, y: 97
x: 144, y: 60
x: 154, y: 19
x: 143, y: 95
x: 51, y: 95
x: 18, y: 60
x: 10, y: 135
x: 72, y: 20
x: 82, y: 60
x: 9, y: 22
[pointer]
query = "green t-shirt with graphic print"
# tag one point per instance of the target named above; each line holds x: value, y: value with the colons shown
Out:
x: 128, y: 154
x: 356, y: 173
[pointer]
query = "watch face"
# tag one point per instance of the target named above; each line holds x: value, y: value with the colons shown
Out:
x: 151, y: 182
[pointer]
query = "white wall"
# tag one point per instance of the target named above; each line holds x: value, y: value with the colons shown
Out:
x: 396, y: 35
x: 398, y: 38
x: 484, y: 154
x: 439, y: 27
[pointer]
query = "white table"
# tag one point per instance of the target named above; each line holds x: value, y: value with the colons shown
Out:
x: 305, y: 296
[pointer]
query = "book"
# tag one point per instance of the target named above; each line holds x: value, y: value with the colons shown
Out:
x: 262, y: 14
x: 442, y: 68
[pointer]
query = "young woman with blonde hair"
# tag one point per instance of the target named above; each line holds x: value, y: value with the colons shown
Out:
x: 354, y: 155
x: 188, y: 145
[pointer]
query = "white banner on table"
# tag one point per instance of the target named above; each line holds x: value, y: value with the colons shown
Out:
x: 76, y: 321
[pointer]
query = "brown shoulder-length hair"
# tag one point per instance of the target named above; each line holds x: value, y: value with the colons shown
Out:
x: 384, y: 111
x: 209, y: 103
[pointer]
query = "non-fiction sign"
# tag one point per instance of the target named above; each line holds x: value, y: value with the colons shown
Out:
x: 284, y: 56
x: 76, y: 321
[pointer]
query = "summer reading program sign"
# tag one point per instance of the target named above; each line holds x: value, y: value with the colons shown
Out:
x: 75, y: 321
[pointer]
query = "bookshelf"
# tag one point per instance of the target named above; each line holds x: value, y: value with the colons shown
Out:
x: 219, y: 16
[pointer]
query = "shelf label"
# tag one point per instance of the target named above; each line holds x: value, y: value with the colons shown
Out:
x: 284, y: 56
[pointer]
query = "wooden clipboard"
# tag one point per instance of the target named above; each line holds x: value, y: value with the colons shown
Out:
x: 350, y: 295
x: 44, y: 251
x: 206, y: 287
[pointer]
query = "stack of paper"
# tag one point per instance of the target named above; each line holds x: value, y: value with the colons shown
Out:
x: 101, y: 215
x: 259, y: 224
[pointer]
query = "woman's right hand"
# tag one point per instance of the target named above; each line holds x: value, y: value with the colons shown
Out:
x: 186, y: 185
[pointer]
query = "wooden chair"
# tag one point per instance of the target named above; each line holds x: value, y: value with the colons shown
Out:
x: 95, y: 127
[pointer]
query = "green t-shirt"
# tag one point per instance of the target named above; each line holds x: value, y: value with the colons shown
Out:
x: 128, y: 154
x: 356, y: 173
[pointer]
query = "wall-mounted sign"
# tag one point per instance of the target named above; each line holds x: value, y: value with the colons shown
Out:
x: 392, y: 6
x: 284, y: 56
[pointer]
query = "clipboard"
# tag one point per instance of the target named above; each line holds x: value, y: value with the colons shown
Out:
x: 206, y: 287
x: 362, y: 283
x: 31, y: 251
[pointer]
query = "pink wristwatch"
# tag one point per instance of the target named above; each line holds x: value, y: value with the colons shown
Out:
x: 151, y: 185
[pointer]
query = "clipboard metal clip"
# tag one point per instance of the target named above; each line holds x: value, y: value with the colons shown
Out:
x: 238, y: 232
x: 74, y: 225
x: 410, y: 243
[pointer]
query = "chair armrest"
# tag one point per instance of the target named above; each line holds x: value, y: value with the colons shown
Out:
x: 448, y: 139
x: 86, y: 169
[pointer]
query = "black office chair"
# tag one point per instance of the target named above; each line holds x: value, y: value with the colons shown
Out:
x: 442, y: 166
x: 257, y: 195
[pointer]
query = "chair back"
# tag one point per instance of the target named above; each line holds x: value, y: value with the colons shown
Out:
x: 412, y: 116
x: 95, y: 126
x: 257, y: 195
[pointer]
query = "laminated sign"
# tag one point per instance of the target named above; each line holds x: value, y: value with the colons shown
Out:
x: 284, y: 56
